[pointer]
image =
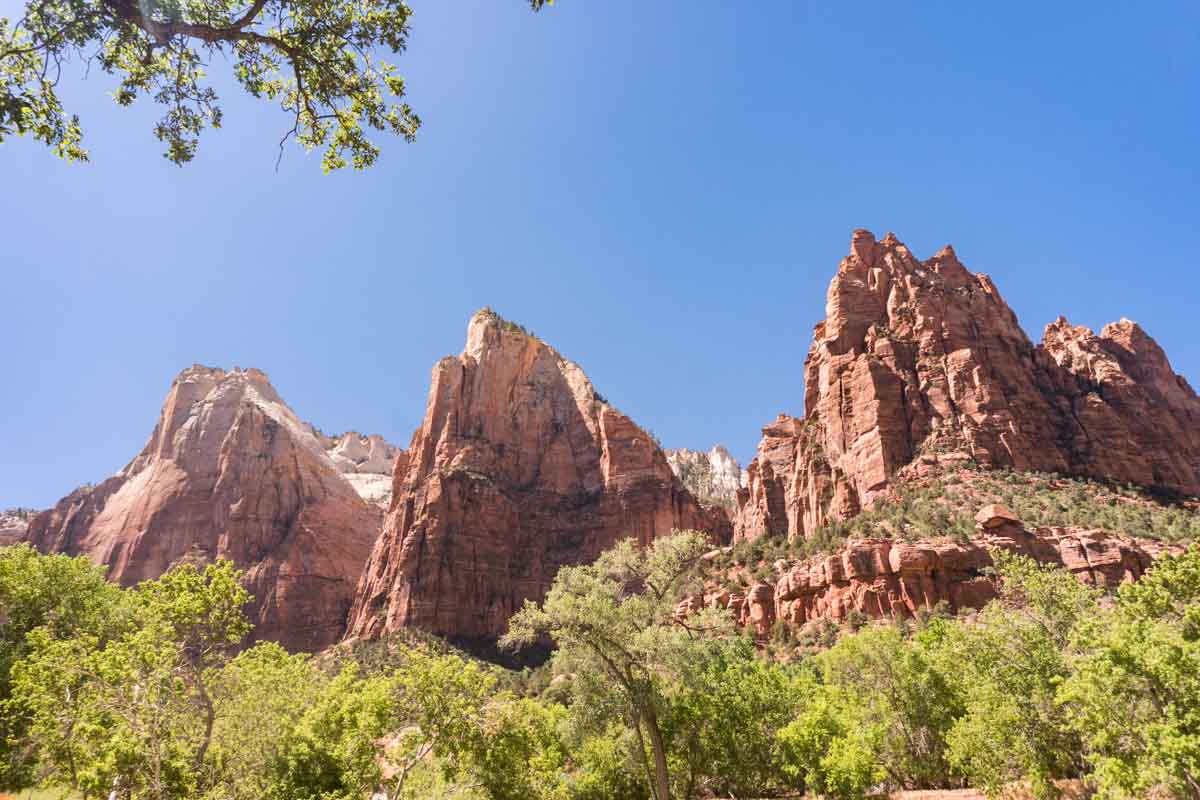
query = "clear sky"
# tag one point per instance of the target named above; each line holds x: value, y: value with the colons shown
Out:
x: 662, y: 190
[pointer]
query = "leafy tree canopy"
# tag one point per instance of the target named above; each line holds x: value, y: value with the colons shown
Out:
x: 616, y: 630
x: 62, y: 596
x: 324, y: 62
x: 1134, y: 692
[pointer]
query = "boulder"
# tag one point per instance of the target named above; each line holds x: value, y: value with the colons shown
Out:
x: 995, y: 516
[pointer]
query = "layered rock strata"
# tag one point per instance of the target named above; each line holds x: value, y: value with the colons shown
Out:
x: 925, y: 359
x: 229, y: 472
x: 518, y: 469
x: 883, y: 579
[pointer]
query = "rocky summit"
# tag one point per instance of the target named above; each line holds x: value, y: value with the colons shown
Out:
x: 923, y: 361
x: 519, y: 467
x: 229, y: 472
x: 714, y: 477
x: 366, y: 461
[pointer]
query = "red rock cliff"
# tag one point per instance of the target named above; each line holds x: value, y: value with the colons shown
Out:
x: 519, y: 468
x: 884, y: 579
x: 924, y: 358
x: 229, y: 472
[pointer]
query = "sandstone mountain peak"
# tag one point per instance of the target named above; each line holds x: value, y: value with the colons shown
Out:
x: 925, y: 360
x: 518, y: 468
x: 712, y: 476
x: 229, y: 472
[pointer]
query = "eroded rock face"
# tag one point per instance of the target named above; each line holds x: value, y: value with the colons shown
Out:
x: 1140, y: 422
x: 925, y: 359
x: 13, y: 524
x: 712, y: 476
x: 883, y: 579
x: 518, y: 468
x: 366, y: 462
x: 229, y: 472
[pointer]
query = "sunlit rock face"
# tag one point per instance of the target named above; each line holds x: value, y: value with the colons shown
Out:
x: 229, y: 472
x: 366, y: 462
x: 924, y: 360
x: 13, y: 524
x: 713, y: 477
x: 518, y: 468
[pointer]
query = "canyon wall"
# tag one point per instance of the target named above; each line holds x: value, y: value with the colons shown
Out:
x: 13, y: 524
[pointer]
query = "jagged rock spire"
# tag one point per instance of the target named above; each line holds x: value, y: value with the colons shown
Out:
x: 923, y: 359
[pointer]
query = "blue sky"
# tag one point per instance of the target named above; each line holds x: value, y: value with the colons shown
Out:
x: 660, y: 190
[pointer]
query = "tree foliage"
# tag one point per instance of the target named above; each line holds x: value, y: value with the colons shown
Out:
x: 615, y: 629
x: 144, y: 693
x: 328, y: 64
x: 1135, y: 688
x: 1007, y: 669
x: 61, y: 596
x: 132, y: 710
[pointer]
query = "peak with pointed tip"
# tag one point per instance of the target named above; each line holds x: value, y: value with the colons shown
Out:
x: 518, y: 468
x: 924, y: 360
x: 229, y: 472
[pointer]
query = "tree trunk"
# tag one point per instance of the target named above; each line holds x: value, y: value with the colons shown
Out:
x: 641, y: 743
x: 662, y: 783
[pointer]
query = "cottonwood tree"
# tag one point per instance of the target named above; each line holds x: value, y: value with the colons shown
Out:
x: 134, y: 713
x: 1006, y: 669
x: 1134, y: 694
x: 615, y: 627
x: 260, y: 698
x: 64, y: 597
x: 378, y: 735
x: 324, y: 62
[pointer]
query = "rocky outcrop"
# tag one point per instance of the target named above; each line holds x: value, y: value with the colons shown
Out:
x: 1140, y: 422
x: 884, y: 579
x: 229, y: 472
x: 13, y: 524
x: 925, y: 359
x: 518, y: 468
x: 366, y: 462
x: 713, y: 477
